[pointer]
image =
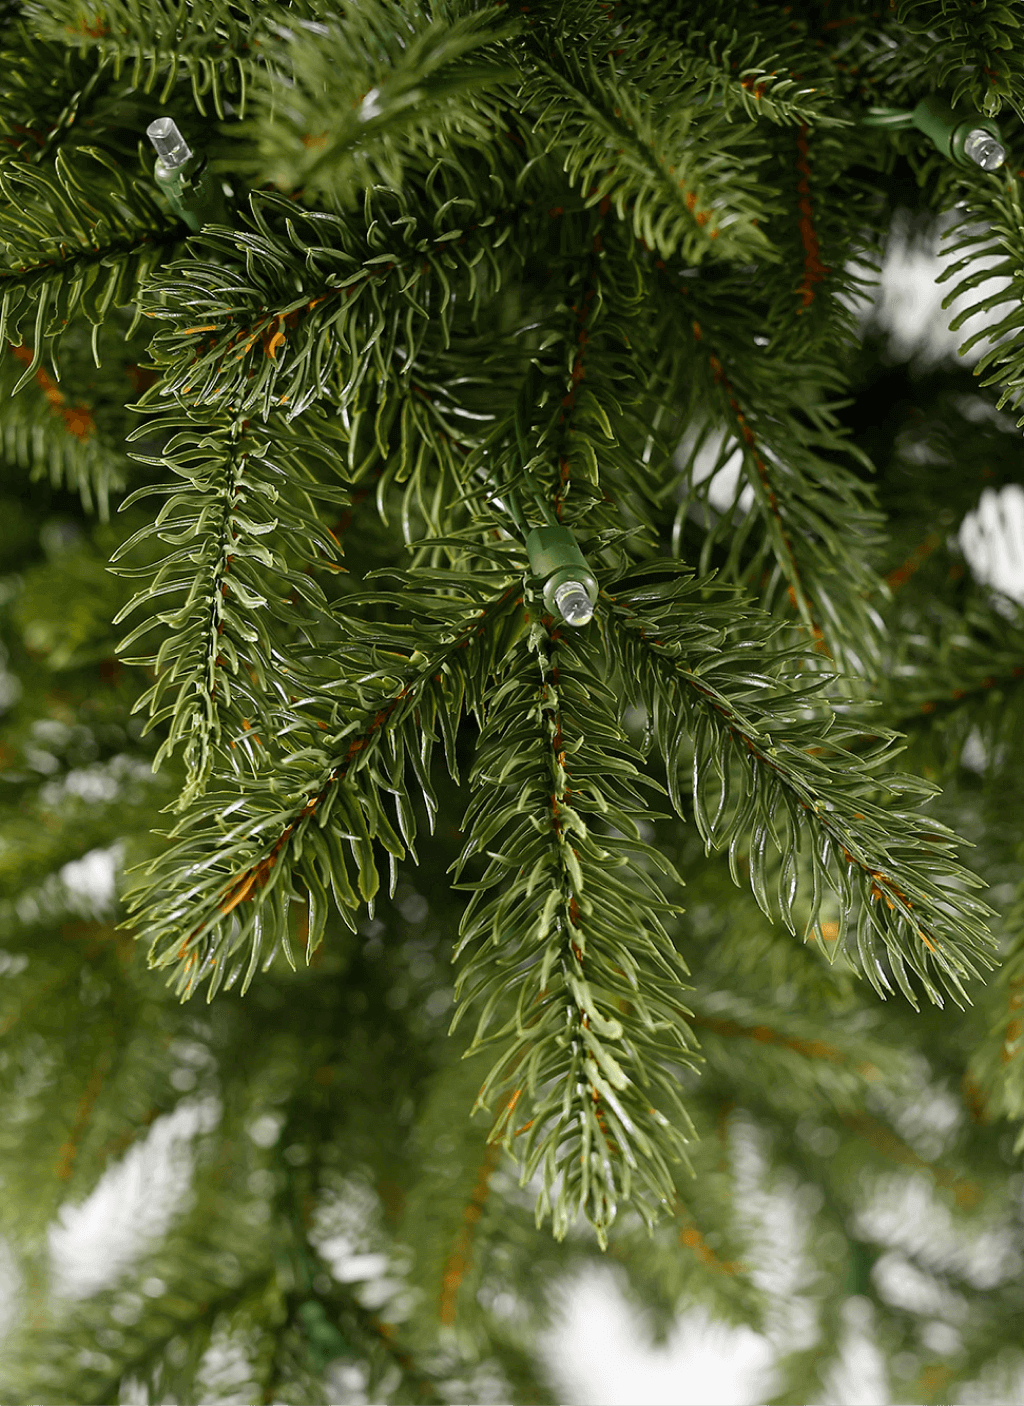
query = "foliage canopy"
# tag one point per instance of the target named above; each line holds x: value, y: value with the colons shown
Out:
x: 487, y: 268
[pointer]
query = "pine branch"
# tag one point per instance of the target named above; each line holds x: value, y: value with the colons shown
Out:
x: 75, y: 241
x: 365, y: 300
x: 769, y: 767
x: 244, y: 531
x: 803, y: 547
x: 464, y: 1228
x: 446, y: 1218
x: 995, y: 1073
x: 550, y: 244
x: 674, y: 176
x: 990, y: 246
x: 755, y: 76
x: 213, y: 47
x: 350, y: 104
x: 53, y: 1351
x: 265, y: 844
x: 978, y: 53
x: 699, y: 1255
x: 47, y: 90
x: 830, y: 257
x: 875, y: 61
x: 576, y: 921
x: 837, y: 1069
x: 107, y: 1079
x: 569, y: 437
x: 956, y: 675
x: 59, y: 441
x: 48, y: 824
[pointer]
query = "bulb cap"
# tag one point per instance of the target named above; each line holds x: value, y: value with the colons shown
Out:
x: 168, y: 143
x: 984, y: 149
x: 573, y: 603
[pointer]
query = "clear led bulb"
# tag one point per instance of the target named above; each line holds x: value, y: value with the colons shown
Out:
x: 984, y: 149
x: 573, y: 603
x: 168, y: 143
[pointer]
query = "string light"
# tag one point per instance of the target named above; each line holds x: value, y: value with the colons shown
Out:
x: 964, y: 136
x: 184, y: 177
x: 570, y: 587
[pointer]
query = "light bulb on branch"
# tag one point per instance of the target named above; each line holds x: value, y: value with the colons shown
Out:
x: 960, y: 133
x: 570, y: 587
x: 184, y: 177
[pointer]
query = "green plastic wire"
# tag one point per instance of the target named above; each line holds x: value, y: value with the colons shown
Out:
x: 545, y: 507
x: 508, y: 502
x: 894, y: 119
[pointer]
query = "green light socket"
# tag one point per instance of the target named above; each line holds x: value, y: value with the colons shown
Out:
x: 192, y: 192
x: 555, y: 554
x: 950, y: 127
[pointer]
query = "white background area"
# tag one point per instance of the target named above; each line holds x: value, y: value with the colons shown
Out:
x: 600, y: 1353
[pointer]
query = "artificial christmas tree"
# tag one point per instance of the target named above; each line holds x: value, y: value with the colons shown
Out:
x: 514, y: 525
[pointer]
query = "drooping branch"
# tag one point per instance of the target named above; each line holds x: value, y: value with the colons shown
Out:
x: 561, y: 942
x: 713, y: 709
x: 279, y: 847
x: 242, y: 525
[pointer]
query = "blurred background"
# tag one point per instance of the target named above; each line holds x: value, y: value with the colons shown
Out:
x: 601, y: 1353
